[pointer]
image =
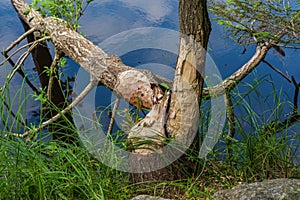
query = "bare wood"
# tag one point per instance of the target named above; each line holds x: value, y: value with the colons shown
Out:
x: 17, y: 41
x: 20, y: 63
x: 188, y: 80
x: 151, y: 130
x: 106, y: 67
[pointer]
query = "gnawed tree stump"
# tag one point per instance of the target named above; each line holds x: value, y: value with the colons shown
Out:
x: 149, y: 134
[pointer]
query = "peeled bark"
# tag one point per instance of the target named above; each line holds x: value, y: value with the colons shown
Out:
x: 188, y: 82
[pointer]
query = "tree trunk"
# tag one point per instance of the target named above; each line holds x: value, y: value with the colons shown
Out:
x: 188, y: 81
x: 43, y: 59
x: 183, y: 117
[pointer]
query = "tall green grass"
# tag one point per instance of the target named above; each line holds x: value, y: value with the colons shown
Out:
x: 259, y: 150
x: 51, y: 169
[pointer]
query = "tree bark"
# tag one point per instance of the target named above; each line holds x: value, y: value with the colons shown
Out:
x: 183, y: 117
x: 188, y: 81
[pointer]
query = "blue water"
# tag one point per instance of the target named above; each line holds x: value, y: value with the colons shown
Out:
x: 107, y: 18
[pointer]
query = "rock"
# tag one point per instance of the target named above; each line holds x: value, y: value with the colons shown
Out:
x: 276, y: 189
x: 147, y: 197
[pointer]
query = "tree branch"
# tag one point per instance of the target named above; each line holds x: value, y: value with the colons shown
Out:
x: 230, y: 82
x: 277, y: 70
x: 296, y: 94
x: 106, y: 68
x: 26, y: 134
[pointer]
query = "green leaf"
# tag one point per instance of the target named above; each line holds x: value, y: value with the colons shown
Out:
x: 165, y: 86
x: 26, y: 12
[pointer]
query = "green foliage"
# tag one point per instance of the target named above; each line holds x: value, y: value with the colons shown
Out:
x: 248, y: 22
x: 68, y: 10
x: 50, y: 169
x: 261, y: 149
x: 165, y: 86
x: 62, y: 62
x: 43, y: 169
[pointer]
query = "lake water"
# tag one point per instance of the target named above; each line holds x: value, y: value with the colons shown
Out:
x: 128, y: 22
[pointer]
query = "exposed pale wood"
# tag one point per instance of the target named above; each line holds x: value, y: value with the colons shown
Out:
x: 150, y: 131
x: 106, y: 67
x: 195, y: 28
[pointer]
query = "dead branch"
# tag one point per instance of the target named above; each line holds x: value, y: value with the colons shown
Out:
x: 106, y: 67
x: 86, y: 90
x: 7, y: 57
x: 296, y: 94
x: 23, y: 57
x: 17, y: 41
x: 109, y: 70
x: 230, y: 82
x: 230, y: 115
x: 21, y: 60
x: 280, y: 126
x: 18, y: 69
x: 231, y: 124
x: 113, y: 116
x: 277, y: 70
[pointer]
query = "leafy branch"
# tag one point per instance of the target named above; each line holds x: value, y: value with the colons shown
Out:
x: 249, y: 22
x: 68, y: 10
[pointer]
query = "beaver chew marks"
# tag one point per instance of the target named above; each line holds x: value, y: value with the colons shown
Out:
x: 135, y: 87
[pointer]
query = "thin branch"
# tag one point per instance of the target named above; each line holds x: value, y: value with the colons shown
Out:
x: 280, y: 126
x: 113, y: 116
x: 20, y: 48
x: 230, y: 115
x: 22, y: 74
x: 86, y: 90
x: 16, y: 42
x: 16, y: 69
x: 22, y: 58
x: 229, y: 83
x: 277, y: 70
x: 231, y: 123
x: 296, y: 95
